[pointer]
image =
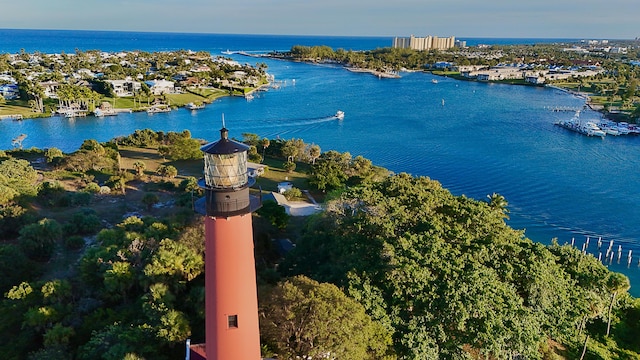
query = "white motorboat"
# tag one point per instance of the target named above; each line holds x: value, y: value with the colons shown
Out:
x: 192, y: 106
x: 158, y: 109
x: 592, y: 129
x: 339, y: 115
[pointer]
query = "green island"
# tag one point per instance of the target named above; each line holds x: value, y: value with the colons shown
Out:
x: 102, y: 258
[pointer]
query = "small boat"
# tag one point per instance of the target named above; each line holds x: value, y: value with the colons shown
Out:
x: 192, y: 106
x: 158, y: 109
x: 592, y: 129
x: 101, y: 113
x: 227, y: 52
x: 435, y: 81
x: 611, y: 131
x: 339, y: 115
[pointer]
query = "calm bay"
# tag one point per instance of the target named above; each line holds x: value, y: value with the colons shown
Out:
x: 474, y: 138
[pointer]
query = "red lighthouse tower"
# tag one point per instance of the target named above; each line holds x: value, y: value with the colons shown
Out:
x: 231, y: 301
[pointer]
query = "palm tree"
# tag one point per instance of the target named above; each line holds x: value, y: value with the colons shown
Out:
x: 615, y: 283
x: 314, y: 153
x: 499, y: 203
x: 265, y: 144
x: 139, y: 167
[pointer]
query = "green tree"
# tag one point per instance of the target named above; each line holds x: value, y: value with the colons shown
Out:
x: 18, y: 174
x: 301, y: 318
x: 444, y: 272
x: 265, y: 144
x: 185, y: 149
x: 169, y: 171
x: 14, y: 266
x: 616, y: 283
x: 250, y: 139
x: 52, y: 154
x: 290, y: 149
x: 38, y: 240
x: 150, y: 199
x: 252, y: 154
x: 289, y: 166
x: 314, y: 153
x: 330, y: 171
x: 293, y: 194
x: 276, y: 214
x: 174, y: 263
x: 139, y: 167
x: 499, y: 203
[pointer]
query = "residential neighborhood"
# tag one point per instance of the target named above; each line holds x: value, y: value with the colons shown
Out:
x: 79, y: 83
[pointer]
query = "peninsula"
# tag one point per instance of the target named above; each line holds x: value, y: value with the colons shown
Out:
x: 605, y: 72
x: 102, y: 83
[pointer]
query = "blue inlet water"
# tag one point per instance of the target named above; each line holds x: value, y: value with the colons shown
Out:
x: 474, y: 138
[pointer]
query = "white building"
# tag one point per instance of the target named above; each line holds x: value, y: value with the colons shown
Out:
x: 124, y: 87
x: 159, y: 87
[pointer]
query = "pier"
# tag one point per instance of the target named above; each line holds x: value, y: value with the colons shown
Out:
x: 12, y: 117
x: 563, y: 108
x: 610, y: 255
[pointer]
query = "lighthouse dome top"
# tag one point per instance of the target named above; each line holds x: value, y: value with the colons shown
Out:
x: 224, y: 145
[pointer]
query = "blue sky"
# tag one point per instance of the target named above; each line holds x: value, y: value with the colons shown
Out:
x: 610, y: 19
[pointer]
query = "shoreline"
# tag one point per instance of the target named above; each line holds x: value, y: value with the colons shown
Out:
x: 580, y: 94
x: 380, y: 74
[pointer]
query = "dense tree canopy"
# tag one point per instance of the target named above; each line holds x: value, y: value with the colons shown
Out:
x: 301, y: 318
x: 446, y: 272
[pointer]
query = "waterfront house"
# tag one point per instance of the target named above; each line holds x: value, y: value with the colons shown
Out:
x: 125, y: 87
x: 50, y: 88
x: 159, y: 87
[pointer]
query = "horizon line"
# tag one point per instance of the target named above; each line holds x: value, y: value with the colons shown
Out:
x: 314, y: 35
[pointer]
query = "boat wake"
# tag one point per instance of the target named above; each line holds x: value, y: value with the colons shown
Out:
x: 276, y: 123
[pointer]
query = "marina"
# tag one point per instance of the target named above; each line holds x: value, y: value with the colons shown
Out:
x: 601, y: 129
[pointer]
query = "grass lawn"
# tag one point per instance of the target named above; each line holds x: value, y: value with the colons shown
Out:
x: 150, y: 157
x: 19, y: 107
x: 276, y: 174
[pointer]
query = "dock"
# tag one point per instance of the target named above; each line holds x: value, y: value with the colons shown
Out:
x: 11, y: 117
x: 563, y: 108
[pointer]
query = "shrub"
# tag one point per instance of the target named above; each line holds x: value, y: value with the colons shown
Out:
x: 52, y: 154
x: 190, y: 184
x: 38, y: 240
x: 275, y: 214
x: 150, y: 199
x: 81, y: 199
x: 14, y: 266
x: 290, y: 166
x: 12, y: 219
x: 92, y: 188
x: 75, y: 242
x: 293, y: 193
x: 85, y: 221
x: 169, y: 171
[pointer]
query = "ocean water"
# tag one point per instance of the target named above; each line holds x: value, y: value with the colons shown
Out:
x: 474, y: 138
